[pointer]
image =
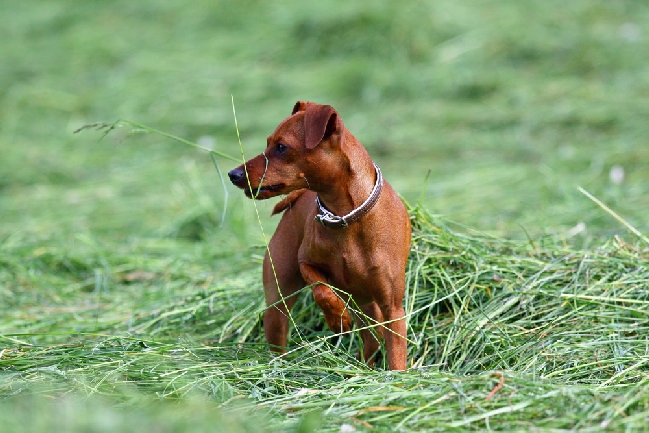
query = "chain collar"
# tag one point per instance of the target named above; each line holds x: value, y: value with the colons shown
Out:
x: 329, y: 220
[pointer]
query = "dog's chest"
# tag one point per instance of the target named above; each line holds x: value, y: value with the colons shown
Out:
x: 347, y: 265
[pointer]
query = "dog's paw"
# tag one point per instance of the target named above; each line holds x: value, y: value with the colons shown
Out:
x: 339, y: 323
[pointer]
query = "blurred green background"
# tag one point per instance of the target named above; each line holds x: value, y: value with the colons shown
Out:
x: 510, y: 105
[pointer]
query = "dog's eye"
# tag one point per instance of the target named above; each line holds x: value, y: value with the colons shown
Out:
x: 281, y: 148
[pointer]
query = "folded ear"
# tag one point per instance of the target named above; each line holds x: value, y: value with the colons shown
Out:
x: 299, y: 106
x: 320, y: 123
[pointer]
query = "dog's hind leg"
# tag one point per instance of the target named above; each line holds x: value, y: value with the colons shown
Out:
x: 370, y: 339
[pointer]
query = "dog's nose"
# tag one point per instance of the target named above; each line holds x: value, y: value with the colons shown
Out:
x: 236, y: 174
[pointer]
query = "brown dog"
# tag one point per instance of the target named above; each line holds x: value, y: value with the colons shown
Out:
x: 327, y: 174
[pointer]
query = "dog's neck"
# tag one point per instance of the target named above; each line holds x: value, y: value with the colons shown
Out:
x: 353, y: 183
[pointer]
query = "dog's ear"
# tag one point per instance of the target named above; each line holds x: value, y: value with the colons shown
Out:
x: 299, y: 106
x: 320, y: 123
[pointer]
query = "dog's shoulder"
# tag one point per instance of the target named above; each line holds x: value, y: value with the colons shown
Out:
x: 288, y: 201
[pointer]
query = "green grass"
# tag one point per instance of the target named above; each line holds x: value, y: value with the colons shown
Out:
x: 565, y: 329
x: 125, y: 304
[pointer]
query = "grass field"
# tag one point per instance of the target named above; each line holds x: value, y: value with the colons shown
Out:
x: 125, y: 304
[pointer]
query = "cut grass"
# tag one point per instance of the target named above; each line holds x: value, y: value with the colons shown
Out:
x: 554, y: 336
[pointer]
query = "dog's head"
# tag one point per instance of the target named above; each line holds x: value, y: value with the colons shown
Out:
x: 296, y: 152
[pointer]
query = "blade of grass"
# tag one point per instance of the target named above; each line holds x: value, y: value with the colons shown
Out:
x: 614, y: 215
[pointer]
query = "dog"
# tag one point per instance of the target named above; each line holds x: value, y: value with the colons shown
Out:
x: 342, y: 226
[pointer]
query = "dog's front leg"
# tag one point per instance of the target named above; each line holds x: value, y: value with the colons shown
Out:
x: 279, y: 301
x: 335, y: 311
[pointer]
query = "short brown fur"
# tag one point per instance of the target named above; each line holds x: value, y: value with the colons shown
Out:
x: 312, y: 152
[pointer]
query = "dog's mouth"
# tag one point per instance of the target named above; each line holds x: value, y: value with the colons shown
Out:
x: 264, y: 192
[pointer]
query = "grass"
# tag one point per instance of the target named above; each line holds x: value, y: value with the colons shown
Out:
x: 562, y: 329
x: 126, y: 303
